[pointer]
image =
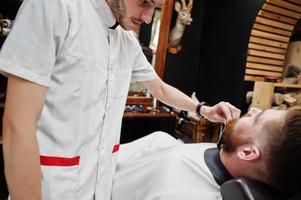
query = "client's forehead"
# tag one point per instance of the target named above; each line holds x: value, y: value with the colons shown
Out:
x: 255, y: 120
x: 270, y: 114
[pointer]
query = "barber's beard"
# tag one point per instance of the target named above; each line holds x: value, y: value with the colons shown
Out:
x: 120, y: 12
x: 231, y: 140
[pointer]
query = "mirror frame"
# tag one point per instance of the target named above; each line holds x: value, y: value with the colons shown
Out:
x: 167, y: 11
x: 166, y: 14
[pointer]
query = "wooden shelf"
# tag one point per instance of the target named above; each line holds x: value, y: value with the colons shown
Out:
x: 145, y: 101
x: 263, y: 93
x: 287, y: 85
x: 151, y: 114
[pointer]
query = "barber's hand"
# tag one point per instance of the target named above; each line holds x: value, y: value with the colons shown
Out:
x: 222, y: 112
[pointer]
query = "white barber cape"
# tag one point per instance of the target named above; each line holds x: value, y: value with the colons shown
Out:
x: 158, y: 167
x: 67, y: 46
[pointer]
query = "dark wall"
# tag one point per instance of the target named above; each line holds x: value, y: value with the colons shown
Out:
x: 8, y: 10
x: 182, y: 69
x: 3, y: 186
x: 137, y: 127
x: 214, y: 51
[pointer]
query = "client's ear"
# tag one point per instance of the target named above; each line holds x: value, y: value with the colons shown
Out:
x: 248, y: 153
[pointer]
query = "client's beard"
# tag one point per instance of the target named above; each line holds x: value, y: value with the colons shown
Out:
x: 231, y: 141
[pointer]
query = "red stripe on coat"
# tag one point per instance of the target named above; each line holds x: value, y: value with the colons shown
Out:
x: 59, y: 161
x: 115, y: 148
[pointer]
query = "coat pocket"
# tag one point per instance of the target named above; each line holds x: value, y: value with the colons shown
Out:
x: 59, y: 178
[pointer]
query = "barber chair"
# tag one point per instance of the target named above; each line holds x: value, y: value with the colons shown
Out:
x: 245, y: 189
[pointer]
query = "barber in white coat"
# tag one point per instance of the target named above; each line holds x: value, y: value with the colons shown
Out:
x: 69, y: 70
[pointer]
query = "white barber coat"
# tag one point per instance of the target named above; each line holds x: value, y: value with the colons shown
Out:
x: 159, y: 167
x: 67, y: 46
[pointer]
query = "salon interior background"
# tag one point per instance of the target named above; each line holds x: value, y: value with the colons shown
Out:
x: 212, y: 60
x: 213, y: 56
x: 214, y: 51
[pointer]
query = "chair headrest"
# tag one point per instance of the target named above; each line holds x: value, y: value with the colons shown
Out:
x: 246, y: 189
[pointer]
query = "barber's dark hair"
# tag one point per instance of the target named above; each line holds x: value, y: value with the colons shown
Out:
x: 284, y: 159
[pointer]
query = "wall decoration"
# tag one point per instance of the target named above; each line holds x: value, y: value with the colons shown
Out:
x: 183, y: 19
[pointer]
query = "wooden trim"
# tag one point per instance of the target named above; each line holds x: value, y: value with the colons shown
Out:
x: 277, y: 17
x: 149, y: 115
x: 274, y: 23
x: 266, y: 54
x: 286, y: 85
x: 266, y: 48
x: 259, y: 100
x: 282, y: 85
x: 271, y: 36
x: 262, y: 73
x: 298, y: 2
x: 265, y: 60
x: 145, y: 101
x: 281, y: 11
x: 285, y: 5
x: 253, y: 78
x: 163, y: 37
x: 264, y: 67
x: 268, y: 42
x: 271, y: 29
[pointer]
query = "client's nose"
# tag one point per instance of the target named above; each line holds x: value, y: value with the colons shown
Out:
x: 254, y: 110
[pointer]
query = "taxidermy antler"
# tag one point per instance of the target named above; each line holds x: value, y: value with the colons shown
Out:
x: 183, y: 19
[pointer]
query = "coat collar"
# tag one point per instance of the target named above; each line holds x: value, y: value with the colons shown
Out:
x: 105, y: 12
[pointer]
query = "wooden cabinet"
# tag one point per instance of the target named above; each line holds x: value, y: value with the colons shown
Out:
x: 137, y: 125
x: 263, y: 93
x: 198, y: 130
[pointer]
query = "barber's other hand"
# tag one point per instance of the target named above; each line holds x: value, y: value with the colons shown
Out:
x: 222, y: 112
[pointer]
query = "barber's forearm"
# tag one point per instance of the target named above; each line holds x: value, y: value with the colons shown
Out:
x: 22, y: 163
x: 175, y: 98
x: 222, y: 112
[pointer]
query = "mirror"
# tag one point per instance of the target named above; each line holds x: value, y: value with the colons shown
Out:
x: 148, y: 36
x: 158, y: 39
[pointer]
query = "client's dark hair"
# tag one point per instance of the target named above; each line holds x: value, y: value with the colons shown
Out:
x: 284, y: 155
